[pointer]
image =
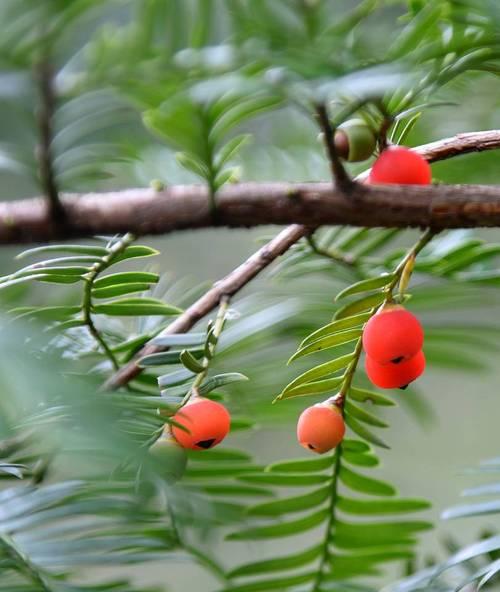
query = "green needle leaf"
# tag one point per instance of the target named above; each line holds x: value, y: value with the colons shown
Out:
x: 127, y: 277
x: 278, y: 564
x: 364, y: 433
x: 291, y: 504
x: 363, y: 484
x: 366, y: 303
x: 306, y: 465
x: 366, y: 286
x: 319, y: 371
x: 375, y: 507
x: 327, y: 342
x: 281, y: 529
x: 336, y: 326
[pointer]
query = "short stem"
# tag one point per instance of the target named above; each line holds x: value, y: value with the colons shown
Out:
x: 218, y: 326
x: 208, y: 563
x: 343, y: 393
x: 325, y: 555
x: 32, y: 572
x: 98, y: 268
x: 351, y: 369
x: 212, y: 203
x: 425, y: 239
x: 339, y: 174
x: 382, y: 134
x: 332, y: 254
x: 44, y: 77
x: 87, y: 318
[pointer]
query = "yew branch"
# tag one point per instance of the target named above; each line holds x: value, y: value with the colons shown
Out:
x: 460, y: 144
x: 145, y: 211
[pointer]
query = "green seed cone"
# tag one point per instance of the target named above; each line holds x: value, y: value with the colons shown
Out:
x: 355, y: 140
x: 170, y: 458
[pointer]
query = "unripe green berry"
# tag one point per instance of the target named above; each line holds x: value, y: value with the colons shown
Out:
x: 171, y: 459
x: 355, y: 140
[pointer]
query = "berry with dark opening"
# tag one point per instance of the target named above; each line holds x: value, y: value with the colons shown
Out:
x: 170, y: 458
x: 320, y: 428
x: 391, y: 375
x: 400, y: 165
x: 392, y: 335
x: 355, y: 140
x: 207, y: 424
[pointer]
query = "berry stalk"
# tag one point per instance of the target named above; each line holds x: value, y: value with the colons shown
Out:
x: 399, y: 273
x: 205, y: 362
x: 340, y: 398
x: 98, y: 268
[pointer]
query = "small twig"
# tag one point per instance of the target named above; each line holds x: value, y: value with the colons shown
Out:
x: 426, y: 237
x: 332, y: 507
x: 145, y: 211
x: 339, y: 174
x: 387, y: 121
x: 88, y: 320
x: 98, y: 268
x: 231, y: 284
x: 34, y: 573
x: 382, y: 134
x: 333, y: 254
x: 341, y: 397
x: 211, y: 168
x: 44, y: 76
x: 226, y: 287
x: 205, y: 362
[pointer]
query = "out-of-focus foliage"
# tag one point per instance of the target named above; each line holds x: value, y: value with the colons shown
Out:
x: 477, y: 564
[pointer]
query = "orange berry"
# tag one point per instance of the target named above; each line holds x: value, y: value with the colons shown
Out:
x: 392, y: 335
x: 320, y: 428
x: 207, y: 422
x: 392, y: 375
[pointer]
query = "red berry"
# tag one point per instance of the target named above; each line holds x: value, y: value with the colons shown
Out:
x: 208, y: 423
x: 395, y: 375
x: 392, y: 335
x: 320, y: 428
x: 400, y: 165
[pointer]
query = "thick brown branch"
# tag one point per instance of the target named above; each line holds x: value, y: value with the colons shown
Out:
x: 45, y: 113
x: 145, y: 211
x: 228, y: 286
x: 461, y: 144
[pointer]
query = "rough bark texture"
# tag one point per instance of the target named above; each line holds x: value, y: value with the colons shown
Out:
x: 228, y: 286
x: 460, y: 144
x: 145, y: 211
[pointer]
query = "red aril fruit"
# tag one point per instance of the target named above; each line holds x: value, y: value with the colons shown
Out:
x: 207, y: 424
x: 388, y: 376
x: 392, y: 335
x: 320, y: 428
x: 399, y: 165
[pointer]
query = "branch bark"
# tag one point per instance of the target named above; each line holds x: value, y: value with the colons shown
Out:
x: 145, y: 211
x: 228, y: 286
x: 238, y: 278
